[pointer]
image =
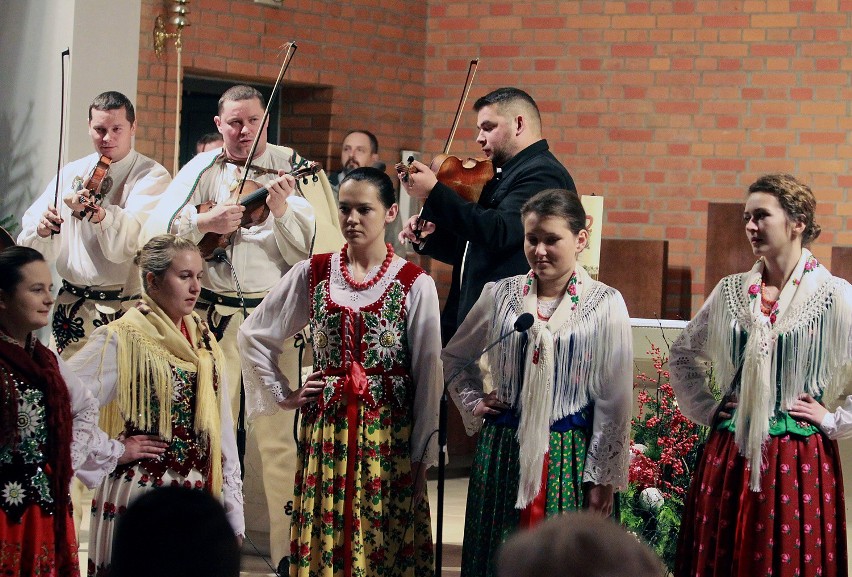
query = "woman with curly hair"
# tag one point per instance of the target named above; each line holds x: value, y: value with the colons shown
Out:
x: 767, y: 497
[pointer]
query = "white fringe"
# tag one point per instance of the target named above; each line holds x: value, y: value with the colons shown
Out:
x: 580, y: 353
x: 809, y: 344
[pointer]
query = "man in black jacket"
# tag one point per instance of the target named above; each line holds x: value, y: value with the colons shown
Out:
x: 484, y: 240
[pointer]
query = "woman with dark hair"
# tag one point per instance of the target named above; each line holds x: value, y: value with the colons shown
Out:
x: 370, y: 409
x: 157, y: 375
x: 553, y: 434
x: 45, y: 430
x: 767, y: 497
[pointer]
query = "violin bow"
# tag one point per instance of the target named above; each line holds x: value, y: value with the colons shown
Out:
x: 291, y: 50
x: 66, y: 52
x: 468, y: 83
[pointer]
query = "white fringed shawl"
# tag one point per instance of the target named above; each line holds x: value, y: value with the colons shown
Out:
x: 576, y: 350
x: 808, y: 343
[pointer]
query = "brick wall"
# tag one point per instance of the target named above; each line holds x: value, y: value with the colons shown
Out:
x: 368, y: 62
x: 660, y: 106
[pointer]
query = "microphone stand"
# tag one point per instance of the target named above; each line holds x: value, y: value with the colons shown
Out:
x: 221, y: 255
x: 522, y: 325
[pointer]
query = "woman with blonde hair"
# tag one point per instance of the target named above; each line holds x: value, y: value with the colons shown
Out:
x: 158, y: 374
x: 767, y: 497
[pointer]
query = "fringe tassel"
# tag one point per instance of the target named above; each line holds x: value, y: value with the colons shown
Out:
x: 534, y: 426
x: 139, y: 355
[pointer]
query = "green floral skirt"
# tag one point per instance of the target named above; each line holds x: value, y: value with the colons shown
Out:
x: 491, y: 516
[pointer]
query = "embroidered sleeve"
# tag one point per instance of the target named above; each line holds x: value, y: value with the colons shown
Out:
x: 838, y: 424
x: 608, y: 450
x: 93, y: 454
x: 689, y: 365
x: 282, y: 314
x: 460, y: 361
x: 232, y: 484
x: 424, y: 338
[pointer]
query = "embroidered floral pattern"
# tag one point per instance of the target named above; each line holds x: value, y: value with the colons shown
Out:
x: 13, y: 493
x: 570, y: 289
x: 67, y: 326
x: 325, y: 331
x: 810, y: 264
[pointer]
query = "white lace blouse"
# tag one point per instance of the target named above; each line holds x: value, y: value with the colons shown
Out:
x: 600, y: 329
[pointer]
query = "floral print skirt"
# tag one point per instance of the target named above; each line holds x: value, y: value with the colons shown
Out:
x: 491, y: 516
x: 353, y: 512
x: 117, y: 491
x: 30, y: 548
x: 795, y: 526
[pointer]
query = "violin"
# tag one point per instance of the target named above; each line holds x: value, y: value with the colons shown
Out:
x: 253, y: 198
x: 90, y: 195
x: 465, y: 177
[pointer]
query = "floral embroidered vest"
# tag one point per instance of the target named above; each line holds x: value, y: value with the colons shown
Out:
x: 187, y: 450
x: 374, y: 338
x: 23, y: 464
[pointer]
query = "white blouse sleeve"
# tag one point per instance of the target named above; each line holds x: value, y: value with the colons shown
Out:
x: 689, y: 366
x: 467, y: 388
x: 92, y: 375
x: 424, y: 343
x: 282, y: 314
x: 609, y: 446
x: 837, y: 424
x: 232, y: 484
x: 294, y: 231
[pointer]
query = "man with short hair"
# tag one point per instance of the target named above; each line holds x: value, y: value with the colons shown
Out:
x: 302, y: 219
x: 93, y: 235
x: 484, y: 240
x: 360, y: 148
x: 209, y: 141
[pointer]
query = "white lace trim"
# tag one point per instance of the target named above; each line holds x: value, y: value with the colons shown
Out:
x: 608, y: 455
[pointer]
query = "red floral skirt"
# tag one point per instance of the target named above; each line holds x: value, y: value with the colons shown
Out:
x: 30, y: 547
x: 795, y: 526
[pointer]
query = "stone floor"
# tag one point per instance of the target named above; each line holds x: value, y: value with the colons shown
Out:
x: 254, y: 565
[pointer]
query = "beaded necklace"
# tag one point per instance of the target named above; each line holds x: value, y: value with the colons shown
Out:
x: 347, y: 276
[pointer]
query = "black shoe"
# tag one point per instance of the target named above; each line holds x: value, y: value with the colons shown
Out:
x: 284, y: 566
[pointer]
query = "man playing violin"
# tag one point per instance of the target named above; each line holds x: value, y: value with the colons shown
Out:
x: 93, y: 235
x: 302, y: 217
x: 484, y: 240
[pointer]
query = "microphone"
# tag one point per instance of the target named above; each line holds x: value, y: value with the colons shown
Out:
x: 220, y: 254
x: 524, y: 322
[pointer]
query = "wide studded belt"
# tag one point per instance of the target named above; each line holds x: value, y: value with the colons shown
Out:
x: 211, y: 297
x: 95, y: 293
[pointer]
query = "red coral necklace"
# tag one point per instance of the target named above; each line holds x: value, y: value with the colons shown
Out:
x: 347, y: 276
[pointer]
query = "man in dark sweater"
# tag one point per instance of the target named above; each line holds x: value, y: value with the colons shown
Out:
x: 484, y: 240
